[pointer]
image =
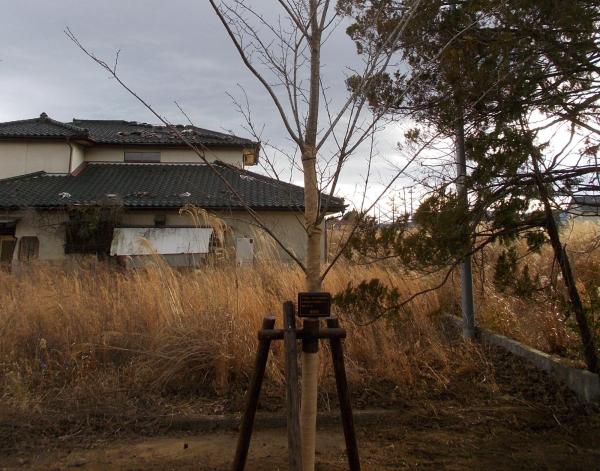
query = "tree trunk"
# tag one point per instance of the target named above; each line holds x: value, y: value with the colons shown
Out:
x: 311, y: 222
x: 589, y: 349
x: 310, y: 359
x: 309, y: 158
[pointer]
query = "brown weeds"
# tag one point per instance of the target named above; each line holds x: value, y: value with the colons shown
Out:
x: 95, y: 334
x: 540, y: 317
x: 96, y: 337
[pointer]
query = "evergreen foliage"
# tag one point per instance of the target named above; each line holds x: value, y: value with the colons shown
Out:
x: 492, y: 71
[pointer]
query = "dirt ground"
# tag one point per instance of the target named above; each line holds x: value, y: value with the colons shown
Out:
x: 526, y: 421
x: 514, y: 437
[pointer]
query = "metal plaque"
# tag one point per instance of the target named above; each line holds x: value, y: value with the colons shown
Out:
x: 314, y: 304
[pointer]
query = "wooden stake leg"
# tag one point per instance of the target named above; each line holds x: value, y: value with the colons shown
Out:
x: 262, y: 354
x: 291, y: 378
x: 341, y: 382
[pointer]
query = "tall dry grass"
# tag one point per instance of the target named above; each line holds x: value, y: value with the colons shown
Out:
x: 540, y: 318
x: 95, y: 336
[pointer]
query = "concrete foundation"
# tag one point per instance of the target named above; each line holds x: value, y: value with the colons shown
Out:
x: 582, y: 382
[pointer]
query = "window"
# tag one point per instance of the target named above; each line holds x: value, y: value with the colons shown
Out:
x: 7, y: 227
x: 29, y: 248
x: 90, y: 230
x: 7, y: 247
x: 142, y: 156
x: 160, y: 220
x: 250, y: 156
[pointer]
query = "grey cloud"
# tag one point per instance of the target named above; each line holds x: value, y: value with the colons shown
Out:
x: 175, y: 50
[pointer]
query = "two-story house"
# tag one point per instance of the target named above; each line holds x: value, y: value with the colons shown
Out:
x: 131, y: 190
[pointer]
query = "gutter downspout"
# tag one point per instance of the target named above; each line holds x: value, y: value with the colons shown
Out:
x: 70, y: 154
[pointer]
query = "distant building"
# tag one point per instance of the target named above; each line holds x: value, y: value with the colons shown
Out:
x: 587, y: 206
x: 117, y: 188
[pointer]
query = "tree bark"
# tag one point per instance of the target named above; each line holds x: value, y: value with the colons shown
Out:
x: 309, y: 158
x: 310, y: 359
x: 587, y: 340
x: 311, y: 222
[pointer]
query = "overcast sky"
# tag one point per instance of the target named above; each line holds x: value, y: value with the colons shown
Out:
x: 170, y: 51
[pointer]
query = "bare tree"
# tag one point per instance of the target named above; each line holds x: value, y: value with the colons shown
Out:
x: 284, y: 53
x: 285, y: 56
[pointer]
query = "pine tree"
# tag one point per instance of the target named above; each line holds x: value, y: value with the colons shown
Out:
x: 484, y: 68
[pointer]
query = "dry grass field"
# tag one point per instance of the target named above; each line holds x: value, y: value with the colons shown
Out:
x: 96, y: 352
x: 539, y: 318
x: 79, y: 337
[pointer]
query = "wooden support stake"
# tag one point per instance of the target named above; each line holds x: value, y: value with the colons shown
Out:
x: 291, y: 378
x: 341, y: 382
x: 262, y: 354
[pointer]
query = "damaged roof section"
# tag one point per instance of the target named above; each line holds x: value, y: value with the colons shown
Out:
x: 131, y: 132
x: 156, y: 186
x: 116, y: 132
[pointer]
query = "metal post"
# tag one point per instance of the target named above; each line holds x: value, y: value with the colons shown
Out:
x: 466, y: 275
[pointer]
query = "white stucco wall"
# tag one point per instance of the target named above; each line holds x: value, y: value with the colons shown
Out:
x: 48, y: 227
x: 287, y: 226
x: 19, y: 158
x: 77, y: 156
x: 167, y: 155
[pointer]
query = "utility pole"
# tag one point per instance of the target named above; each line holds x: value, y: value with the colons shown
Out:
x: 466, y: 274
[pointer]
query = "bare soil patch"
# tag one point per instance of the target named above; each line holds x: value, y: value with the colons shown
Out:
x: 519, y: 419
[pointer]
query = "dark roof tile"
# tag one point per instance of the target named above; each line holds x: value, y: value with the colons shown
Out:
x: 586, y: 200
x: 118, y: 133
x: 131, y: 132
x: 42, y: 127
x: 155, y: 186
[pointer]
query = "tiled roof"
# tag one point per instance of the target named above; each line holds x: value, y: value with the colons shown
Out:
x: 42, y: 127
x: 131, y: 132
x: 117, y: 132
x: 586, y: 200
x: 154, y: 186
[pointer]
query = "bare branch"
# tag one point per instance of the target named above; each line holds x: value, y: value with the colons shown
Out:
x: 200, y: 150
x: 258, y: 75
